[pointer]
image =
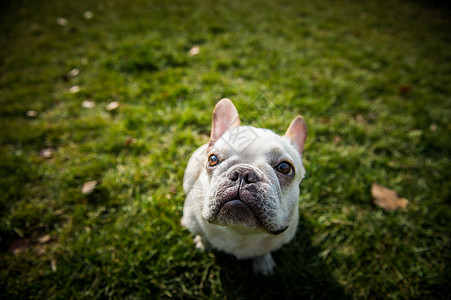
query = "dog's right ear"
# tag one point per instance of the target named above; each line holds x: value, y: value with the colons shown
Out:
x: 297, y: 133
x: 225, y: 116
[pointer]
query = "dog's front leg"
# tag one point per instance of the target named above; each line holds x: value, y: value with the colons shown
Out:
x: 264, y: 264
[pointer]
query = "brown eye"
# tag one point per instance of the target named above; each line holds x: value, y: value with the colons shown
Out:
x: 285, y: 168
x: 213, y: 160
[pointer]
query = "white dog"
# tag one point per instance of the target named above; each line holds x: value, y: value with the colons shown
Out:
x: 243, y: 188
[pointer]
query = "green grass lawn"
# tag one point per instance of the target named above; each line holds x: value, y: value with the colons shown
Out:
x: 372, y: 79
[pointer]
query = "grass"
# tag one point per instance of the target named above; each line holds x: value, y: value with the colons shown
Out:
x: 372, y: 79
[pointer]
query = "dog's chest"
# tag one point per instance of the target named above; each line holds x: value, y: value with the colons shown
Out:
x: 242, y: 245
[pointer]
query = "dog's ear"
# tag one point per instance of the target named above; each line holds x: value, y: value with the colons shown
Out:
x: 297, y: 133
x: 225, y: 116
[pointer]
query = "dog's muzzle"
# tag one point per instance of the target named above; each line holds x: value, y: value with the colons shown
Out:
x: 242, y: 201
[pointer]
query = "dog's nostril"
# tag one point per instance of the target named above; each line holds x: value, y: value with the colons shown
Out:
x: 250, y: 176
x: 246, y: 175
x: 234, y: 176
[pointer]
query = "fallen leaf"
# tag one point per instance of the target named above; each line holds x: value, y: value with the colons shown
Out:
x: 88, y: 15
x: 73, y: 73
x: 47, y: 153
x: 433, y: 127
x: 44, y: 239
x: 89, y: 187
x: 59, y: 212
x: 88, y: 104
x: 386, y: 198
x: 404, y: 89
x: 74, y: 89
x: 360, y: 119
x: 129, y: 141
x: 53, y: 265
x: 31, y: 114
x: 62, y: 21
x: 112, y: 106
x: 194, y: 51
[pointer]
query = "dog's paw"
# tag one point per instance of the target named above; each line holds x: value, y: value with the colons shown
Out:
x: 264, y: 264
x: 201, y: 243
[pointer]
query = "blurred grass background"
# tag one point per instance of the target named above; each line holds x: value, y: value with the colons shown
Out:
x: 372, y: 79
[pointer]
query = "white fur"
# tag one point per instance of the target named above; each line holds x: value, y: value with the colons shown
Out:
x: 252, y: 147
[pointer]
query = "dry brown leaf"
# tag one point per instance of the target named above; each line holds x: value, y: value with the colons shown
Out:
x: 62, y: 21
x: 75, y: 89
x: 129, y: 141
x: 112, y: 106
x: 59, y: 212
x: 53, y: 265
x: 32, y: 114
x: 89, y: 187
x: 47, y: 152
x: 194, y: 51
x: 44, y: 239
x: 386, y: 198
x: 433, y: 127
x: 360, y: 119
x: 88, y: 104
x: 73, y: 73
x: 404, y: 89
x: 88, y: 15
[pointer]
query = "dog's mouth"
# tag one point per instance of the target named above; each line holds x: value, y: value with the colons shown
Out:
x: 237, y: 212
x: 241, y: 212
x: 237, y: 203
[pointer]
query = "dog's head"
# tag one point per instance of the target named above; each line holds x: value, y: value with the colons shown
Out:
x: 253, y: 173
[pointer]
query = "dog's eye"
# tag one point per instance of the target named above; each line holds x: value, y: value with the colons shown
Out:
x: 285, y: 168
x: 213, y: 160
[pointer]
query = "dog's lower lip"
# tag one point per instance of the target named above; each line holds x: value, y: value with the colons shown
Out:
x: 235, y: 202
x: 231, y: 203
x: 236, y: 206
x: 277, y: 232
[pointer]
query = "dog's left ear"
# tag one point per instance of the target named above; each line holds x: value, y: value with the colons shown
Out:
x: 297, y: 133
x: 225, y: 116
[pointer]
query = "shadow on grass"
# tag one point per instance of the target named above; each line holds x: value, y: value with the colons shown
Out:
x: 300, y: 272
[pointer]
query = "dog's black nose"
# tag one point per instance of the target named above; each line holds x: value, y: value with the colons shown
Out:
x: 244, y: 174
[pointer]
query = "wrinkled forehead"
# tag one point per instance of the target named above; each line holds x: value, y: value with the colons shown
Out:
x: 251, y: 140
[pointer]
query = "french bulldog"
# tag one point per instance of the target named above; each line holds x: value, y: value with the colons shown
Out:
x: 243, y: 188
